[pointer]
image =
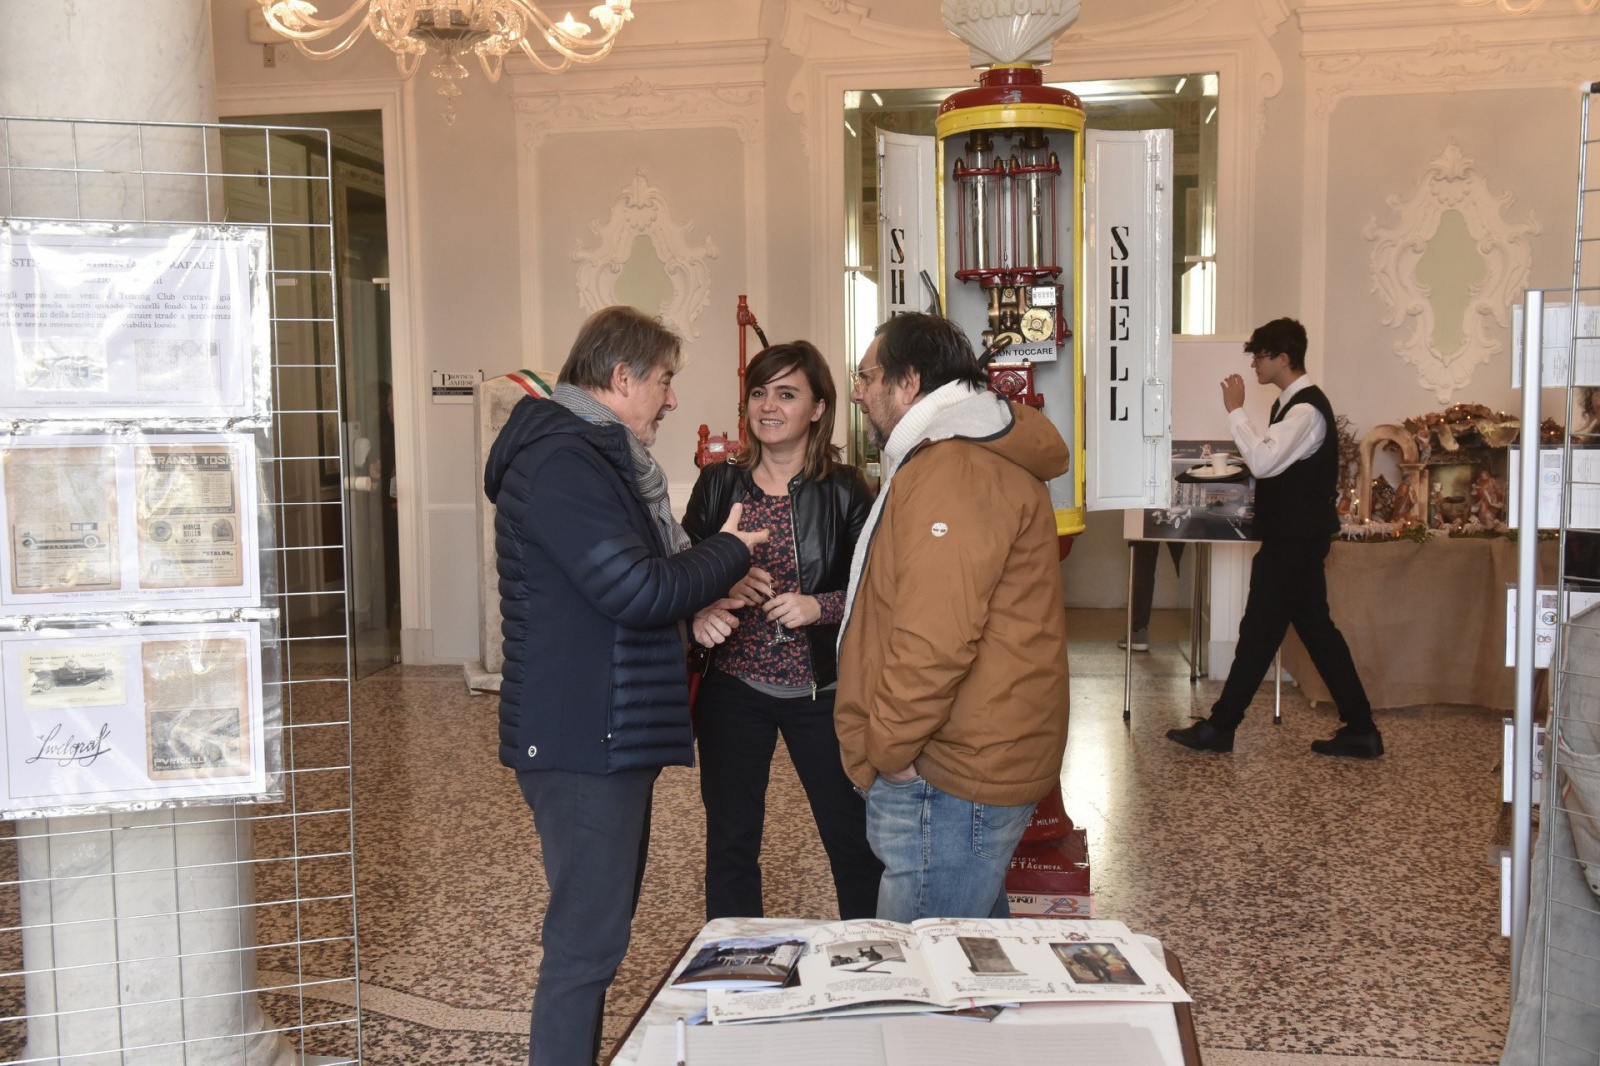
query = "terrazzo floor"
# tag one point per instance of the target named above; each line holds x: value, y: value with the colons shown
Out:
x: 1320, y: 906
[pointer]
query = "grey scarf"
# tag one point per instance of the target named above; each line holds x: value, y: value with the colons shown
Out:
x: 647, y: 473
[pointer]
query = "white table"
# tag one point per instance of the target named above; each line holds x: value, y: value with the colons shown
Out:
x: 1170, y: 1023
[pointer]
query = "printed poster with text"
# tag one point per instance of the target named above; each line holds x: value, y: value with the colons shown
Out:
x: 133, y: 321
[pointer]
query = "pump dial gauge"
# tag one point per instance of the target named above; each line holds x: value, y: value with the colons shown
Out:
x: 1037, y: 324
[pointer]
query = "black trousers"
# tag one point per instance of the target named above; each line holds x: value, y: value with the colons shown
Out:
x: 1288, y: 587
x: 594, y: 832
x: 737, y: 728
x: 1146, y: 553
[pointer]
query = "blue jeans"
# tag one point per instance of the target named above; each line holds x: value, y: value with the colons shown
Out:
x: 943, y: 857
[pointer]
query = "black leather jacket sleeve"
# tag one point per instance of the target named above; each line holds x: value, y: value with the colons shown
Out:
x: 860, y: 506
x: 710, y: 501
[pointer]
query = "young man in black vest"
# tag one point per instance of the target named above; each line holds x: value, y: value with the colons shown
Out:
x: 1296, y: 466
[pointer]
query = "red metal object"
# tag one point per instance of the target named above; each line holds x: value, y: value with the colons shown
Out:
x: 1014, y: 381
x: 718, y: 449
x: 1010, y: 85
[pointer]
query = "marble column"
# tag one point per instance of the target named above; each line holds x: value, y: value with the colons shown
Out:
x: 138, y: 929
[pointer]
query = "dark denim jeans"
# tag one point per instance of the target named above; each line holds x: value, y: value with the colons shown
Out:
x: 594, y: 832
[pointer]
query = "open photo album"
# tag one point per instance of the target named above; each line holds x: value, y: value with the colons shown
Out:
x: 879, y: 967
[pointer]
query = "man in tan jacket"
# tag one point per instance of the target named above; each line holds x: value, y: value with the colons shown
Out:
x: 952, y: 702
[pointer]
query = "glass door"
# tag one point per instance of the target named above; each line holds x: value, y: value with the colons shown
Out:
x: 353, y: 421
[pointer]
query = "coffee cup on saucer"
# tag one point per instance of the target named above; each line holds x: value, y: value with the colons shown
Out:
x: 1219, y: 462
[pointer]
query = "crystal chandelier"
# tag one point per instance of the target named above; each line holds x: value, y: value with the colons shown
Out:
x: 453, y: 28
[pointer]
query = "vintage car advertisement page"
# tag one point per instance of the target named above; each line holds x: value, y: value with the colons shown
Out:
x: 132, y: 321
x: 197, y: 708
x: 189, y: 516
x: 61, y: 511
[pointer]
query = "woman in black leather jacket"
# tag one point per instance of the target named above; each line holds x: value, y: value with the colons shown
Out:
x: 774, y: 665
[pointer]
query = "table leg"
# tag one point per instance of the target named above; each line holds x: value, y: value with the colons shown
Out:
x: 1277, y: 688
x: 1127, y: 657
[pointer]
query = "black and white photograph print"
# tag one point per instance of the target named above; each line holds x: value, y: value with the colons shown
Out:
x: 198, y: 742
x: 1096, y: 964
x: 76, y: 675
x: 987, y: 957
x: 864, y: 956
x: 1207, y: 504
x: 743, y: 962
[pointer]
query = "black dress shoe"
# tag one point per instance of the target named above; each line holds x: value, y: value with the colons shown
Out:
x: 1203, y: 736
x: 1349, y: 743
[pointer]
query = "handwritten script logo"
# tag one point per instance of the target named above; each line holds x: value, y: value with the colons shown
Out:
x: 71, y: 750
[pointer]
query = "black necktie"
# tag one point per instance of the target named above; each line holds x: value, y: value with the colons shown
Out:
x: 1274, y: 416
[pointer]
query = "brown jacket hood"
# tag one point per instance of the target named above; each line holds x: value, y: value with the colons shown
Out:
x: 953, y: 656
x: 1011, y: 431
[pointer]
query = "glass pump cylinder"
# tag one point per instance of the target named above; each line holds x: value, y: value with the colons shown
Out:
x: 1034, y: 176
x: 979, y: 176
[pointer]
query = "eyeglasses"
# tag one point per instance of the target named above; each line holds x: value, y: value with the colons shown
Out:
x: 1256, y: 357
x: 862, y: 377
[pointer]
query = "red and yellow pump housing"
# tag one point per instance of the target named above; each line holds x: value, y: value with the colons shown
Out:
x: 1010, y: 197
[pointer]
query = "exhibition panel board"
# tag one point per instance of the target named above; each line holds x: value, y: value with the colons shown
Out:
x: 174, y: 678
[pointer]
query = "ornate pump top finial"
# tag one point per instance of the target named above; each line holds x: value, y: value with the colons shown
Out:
x: 1006, y: 32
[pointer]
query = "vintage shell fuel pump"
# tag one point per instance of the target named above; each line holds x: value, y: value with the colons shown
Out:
x: 1010, y: 196
x: 1010, y: 157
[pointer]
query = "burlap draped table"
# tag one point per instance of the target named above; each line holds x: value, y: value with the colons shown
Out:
x: 1425, y: 622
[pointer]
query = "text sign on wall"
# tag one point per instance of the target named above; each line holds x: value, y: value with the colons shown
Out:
x: 1127, y: 317
x: 907, y: 227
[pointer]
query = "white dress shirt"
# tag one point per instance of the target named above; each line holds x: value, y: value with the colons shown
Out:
x: 1293, y: 437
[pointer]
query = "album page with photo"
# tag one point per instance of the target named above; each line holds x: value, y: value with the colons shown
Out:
x: 872, y: 966
x: 133, y: 715
x: 156, y: 520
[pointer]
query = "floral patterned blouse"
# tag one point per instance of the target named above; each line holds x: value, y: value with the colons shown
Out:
x: 749, y: 652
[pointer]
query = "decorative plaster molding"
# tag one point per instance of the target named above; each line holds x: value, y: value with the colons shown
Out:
x: 838, y: 30
x: 1427, y: 46
x: 639, y: 104
x: 642, y: 209
x: 1453, y: 61
x: 804, y: 19
x: 1450, y: 183
x: 1434, y: 45
x: 711, y: 85
x: 1524, y: 7
x: 1251, y: 26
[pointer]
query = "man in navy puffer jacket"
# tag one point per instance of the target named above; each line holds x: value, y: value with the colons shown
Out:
x: 595, y: 576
